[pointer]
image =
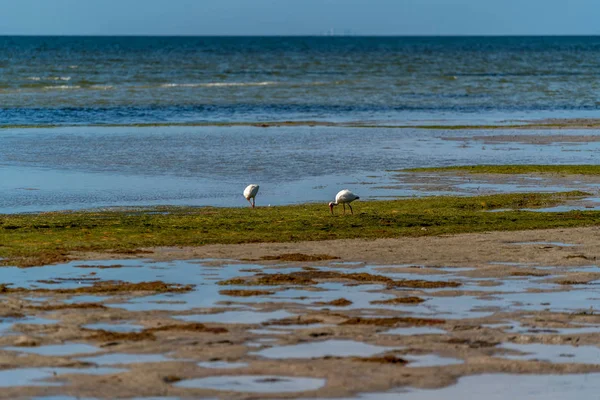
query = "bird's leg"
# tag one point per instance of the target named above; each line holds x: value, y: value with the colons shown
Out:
x: 253, y: 202
x: 344, y: 204
x: 351, y: 212
x: 250, y: 202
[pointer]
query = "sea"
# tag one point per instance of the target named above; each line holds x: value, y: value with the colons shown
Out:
x: 88, y: 122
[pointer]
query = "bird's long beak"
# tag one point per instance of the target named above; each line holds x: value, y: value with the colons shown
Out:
x: 331, y: 209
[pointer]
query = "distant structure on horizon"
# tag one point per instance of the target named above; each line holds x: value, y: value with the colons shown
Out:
x: 331, y: 32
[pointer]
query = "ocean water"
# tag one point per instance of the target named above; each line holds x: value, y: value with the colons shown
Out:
x: 126, y: 80
x: 74, y: 114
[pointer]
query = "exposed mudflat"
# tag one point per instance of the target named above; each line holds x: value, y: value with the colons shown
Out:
x: 468, y: 250
x: 416, y: 315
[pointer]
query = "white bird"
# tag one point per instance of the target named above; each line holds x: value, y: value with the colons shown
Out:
x: 343, y: 197
x: 250, y: 193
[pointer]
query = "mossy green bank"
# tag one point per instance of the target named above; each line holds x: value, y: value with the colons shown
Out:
x: 580, y: 169
x: 37, y: 239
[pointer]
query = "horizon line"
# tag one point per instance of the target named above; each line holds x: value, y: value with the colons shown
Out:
x: 298, y: 35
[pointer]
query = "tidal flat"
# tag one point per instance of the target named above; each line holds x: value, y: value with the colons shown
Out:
x: 483, y: 271
x: 378, y: 317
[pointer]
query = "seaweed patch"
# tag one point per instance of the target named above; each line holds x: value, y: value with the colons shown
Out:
x: 294, y: 321
x: 107, y: 287
x: 400, y: 300
x: 341, y: 302
x: 311, y: 277
x: 385, y: 359
x: 73, y: 306
x: 393, y: 321
x: 299, y: 257
x: 246, y: 293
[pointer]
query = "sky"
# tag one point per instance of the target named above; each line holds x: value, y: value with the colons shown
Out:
x: 299, y: 17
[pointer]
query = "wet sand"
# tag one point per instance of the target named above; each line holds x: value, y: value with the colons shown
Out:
x: 471, y: 250
x: 418, y: 313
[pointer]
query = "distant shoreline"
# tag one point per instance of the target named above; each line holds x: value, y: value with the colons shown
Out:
x: 554, y: 123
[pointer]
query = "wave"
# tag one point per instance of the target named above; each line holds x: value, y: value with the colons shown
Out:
x: 319, y: 83
x: 264, y: 83
x: 42, y: 82
x: 101, y: 87
x: 62, y: 87
x: 219, y: 84
x: 45, y: 86
x: 49, y: 78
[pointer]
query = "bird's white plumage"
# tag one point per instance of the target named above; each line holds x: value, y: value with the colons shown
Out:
x: 250, y: 191
x: 345, y: 197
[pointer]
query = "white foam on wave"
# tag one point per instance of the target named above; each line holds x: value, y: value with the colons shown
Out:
x: 102, y: 87
x: 218, y: 84
x: 61, y: 87
x: 319, y: 83
x: 50, y: 78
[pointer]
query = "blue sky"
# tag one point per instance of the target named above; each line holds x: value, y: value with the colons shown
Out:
x: 298, y: 17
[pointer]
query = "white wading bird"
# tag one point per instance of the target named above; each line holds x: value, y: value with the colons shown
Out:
x: 343, y: 197
x: 250, y: 193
